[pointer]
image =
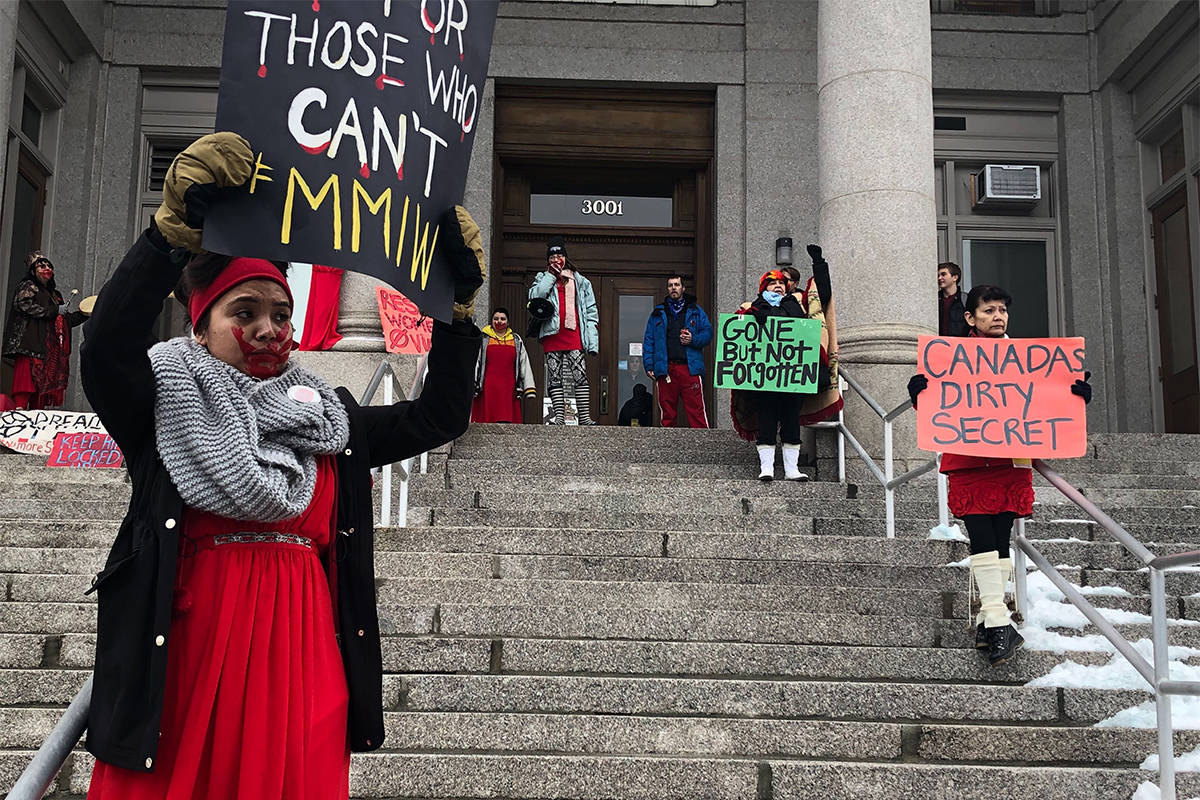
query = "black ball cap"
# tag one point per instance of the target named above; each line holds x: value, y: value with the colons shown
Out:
x: 540, y: 308
x: 556, y: 246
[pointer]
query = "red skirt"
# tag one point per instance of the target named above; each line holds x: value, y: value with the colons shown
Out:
x: 991, y: 490
x: 256, y: 699
x: 498, y: 402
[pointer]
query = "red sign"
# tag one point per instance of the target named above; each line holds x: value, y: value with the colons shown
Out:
x: 85, y: 449
x: 1001, y: 397
x: 404, y: 329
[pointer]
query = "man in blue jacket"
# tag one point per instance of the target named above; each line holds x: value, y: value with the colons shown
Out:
x: 676, y: 333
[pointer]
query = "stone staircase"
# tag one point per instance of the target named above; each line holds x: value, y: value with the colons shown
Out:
x: 627, y: 613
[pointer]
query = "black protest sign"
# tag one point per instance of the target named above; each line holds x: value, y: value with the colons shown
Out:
x: 361, y: 115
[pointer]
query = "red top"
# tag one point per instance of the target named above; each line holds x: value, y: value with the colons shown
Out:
x: 564, y: 339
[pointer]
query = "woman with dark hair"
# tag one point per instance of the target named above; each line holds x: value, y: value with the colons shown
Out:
x: 762, y: 416
x: 989, y: 493
x: 502, y: 373
x: 237, y: 645
x: 37, y: 337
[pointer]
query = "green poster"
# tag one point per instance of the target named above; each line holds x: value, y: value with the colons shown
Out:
x: 779, y: 355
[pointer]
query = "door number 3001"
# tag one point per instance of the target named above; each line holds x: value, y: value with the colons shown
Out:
x: 608, y: 208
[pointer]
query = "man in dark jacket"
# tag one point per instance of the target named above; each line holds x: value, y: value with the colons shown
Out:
x: 952, y: 318
x: 676, y: 333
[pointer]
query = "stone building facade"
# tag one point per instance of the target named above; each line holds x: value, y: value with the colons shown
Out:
x: 866, y: 125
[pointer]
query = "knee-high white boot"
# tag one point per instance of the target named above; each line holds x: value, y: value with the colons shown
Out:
x: 990, y: 578
x: 791, y: 463
x: 766, y: 462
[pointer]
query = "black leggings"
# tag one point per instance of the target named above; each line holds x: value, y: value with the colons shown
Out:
x: 779, y: 411
x: 990, y: 532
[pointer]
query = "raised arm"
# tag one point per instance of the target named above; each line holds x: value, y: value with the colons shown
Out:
x: 116, y: 373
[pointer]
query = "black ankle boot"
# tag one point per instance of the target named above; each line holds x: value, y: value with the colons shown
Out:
x: 1003, y: 644
x: 981, y: 639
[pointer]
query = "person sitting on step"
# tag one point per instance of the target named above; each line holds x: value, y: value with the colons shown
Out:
x: 988, y: 494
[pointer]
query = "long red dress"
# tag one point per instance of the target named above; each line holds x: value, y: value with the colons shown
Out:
x: 256, y: 699
x: 498, y: 402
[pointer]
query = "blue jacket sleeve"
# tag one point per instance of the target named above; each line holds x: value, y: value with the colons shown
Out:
x: 703, y: 333
x: 543, y: 284
x: 648, y: 345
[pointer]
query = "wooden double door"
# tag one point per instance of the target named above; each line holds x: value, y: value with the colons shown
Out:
x: 624, y: 177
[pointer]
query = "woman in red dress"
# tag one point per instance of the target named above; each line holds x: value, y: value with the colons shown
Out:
x: 247, y: 550
x: 37, y: 337
x: 989, y: 493
x: 502, y: 373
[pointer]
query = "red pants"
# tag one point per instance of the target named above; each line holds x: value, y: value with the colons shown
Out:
x: 681, y: 383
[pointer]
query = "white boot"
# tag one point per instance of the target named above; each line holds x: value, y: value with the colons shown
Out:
x: 766, y: 462
x: 791, y: 463
x: 990, y: 577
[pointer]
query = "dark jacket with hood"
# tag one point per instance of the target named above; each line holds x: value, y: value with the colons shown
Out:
x: 136, y: 587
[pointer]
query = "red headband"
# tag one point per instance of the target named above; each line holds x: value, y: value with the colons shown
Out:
x: 239, y: 270
x: 771, y: 275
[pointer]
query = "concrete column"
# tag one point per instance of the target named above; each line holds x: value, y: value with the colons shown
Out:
x: 358, y: 315
x: 877, y: 216
x: 8, y: 45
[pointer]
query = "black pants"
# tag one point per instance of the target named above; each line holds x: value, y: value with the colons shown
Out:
x: 989, y: 532
x: 779, y: 411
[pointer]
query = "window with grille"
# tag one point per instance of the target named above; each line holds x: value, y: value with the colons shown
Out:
x: 161, y: 154
x: 1015, y: 8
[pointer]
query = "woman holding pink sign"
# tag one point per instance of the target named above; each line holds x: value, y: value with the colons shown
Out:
x: 989, y: 493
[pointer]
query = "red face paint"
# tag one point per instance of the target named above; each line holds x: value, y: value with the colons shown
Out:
x: 270, y: 359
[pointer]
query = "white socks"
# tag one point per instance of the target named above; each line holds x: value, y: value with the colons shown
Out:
x: 990, y: 577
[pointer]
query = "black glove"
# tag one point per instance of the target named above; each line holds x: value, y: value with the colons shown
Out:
x: 916, y: 384
x: 1083, y: 388
x: 464, y: 251
x: 820, y: 271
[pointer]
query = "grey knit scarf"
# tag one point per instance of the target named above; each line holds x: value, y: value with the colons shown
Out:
x: 237, y: 446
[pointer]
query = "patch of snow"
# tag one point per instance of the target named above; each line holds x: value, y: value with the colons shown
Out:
x: 1147, y: 791
x: 1072, y: 521
x: 1104, y: 591
x: 947, y: 533
x: 1188, y: 762
x: 1118, y: 673
x: 966, y: 562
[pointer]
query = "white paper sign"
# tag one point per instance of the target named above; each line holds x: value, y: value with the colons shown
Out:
x: 635, y: 348
x: 34, y: 431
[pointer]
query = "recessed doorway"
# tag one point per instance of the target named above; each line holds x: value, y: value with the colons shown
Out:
x: 624, y: 175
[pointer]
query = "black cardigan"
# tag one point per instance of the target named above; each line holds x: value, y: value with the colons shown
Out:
x: 136, y: 587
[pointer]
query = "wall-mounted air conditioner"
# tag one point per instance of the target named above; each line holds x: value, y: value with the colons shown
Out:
x: 1006, y: 186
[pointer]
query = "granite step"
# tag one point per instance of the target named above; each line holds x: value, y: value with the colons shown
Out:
x: 801, y: 662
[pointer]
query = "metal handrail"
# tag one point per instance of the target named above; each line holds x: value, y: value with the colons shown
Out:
x: 404, y: 466
x: 1157, y: 675
x: 49, y: 758
x: 885, y: 474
